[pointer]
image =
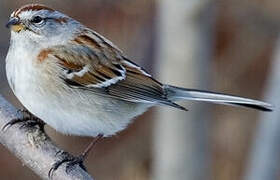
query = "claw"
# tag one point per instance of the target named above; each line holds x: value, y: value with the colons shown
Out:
x: 28, y: 120
x: 70, y: 161
x: 11, y: 123
x: 76, y: 161
x: 58, y: 152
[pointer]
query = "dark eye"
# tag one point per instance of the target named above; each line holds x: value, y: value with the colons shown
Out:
x: 37, y: 20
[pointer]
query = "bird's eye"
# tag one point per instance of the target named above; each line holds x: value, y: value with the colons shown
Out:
x: 37, y: 20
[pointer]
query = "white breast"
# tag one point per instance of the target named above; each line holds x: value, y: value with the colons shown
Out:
x: 70, y: 111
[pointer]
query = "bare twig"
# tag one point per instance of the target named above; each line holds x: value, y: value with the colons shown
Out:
x: 33, y: 147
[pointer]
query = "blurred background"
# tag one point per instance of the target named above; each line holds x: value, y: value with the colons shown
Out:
x: 229, y: 46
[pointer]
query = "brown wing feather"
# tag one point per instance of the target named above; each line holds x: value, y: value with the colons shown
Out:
x: 93, y: 63
x: 85, y: 65
x: 138, y: 87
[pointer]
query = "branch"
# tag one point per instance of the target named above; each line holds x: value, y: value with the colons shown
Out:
x: 33, y: 147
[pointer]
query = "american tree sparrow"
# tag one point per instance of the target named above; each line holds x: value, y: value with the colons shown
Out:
x: 80, y: 83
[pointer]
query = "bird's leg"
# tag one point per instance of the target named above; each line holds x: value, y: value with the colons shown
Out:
x: 71, y: 161
x: 27, y: 120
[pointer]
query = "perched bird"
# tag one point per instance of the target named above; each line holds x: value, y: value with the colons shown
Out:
x: 80, y: 83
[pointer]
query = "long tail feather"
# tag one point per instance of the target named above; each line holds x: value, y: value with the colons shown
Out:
x: 176, y: 93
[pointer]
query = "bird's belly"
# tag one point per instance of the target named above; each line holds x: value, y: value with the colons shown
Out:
x: 81, y: 113
x: 69, y: 111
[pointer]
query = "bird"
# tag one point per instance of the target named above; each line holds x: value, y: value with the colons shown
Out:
x: 80, y: 83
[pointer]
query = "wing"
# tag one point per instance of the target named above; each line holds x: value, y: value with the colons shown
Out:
x: 93, y: 63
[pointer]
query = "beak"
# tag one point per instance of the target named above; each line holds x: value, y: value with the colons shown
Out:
x: 15, y: 25
x: 12, y: 22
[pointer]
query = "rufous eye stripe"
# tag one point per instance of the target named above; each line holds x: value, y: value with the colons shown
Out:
x: 31, y: 7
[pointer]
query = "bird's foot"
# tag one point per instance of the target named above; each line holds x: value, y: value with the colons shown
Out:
x: 27, y: 120
x: 71, y: 162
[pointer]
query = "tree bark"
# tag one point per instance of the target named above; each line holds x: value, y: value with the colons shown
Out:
x: 33, y: 147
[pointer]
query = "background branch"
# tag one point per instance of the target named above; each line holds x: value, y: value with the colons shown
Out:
x: 33, y: 147
x: 264, y: 158
x: 181, y: 140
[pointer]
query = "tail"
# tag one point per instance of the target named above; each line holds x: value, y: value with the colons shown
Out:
x: 176, y: 93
